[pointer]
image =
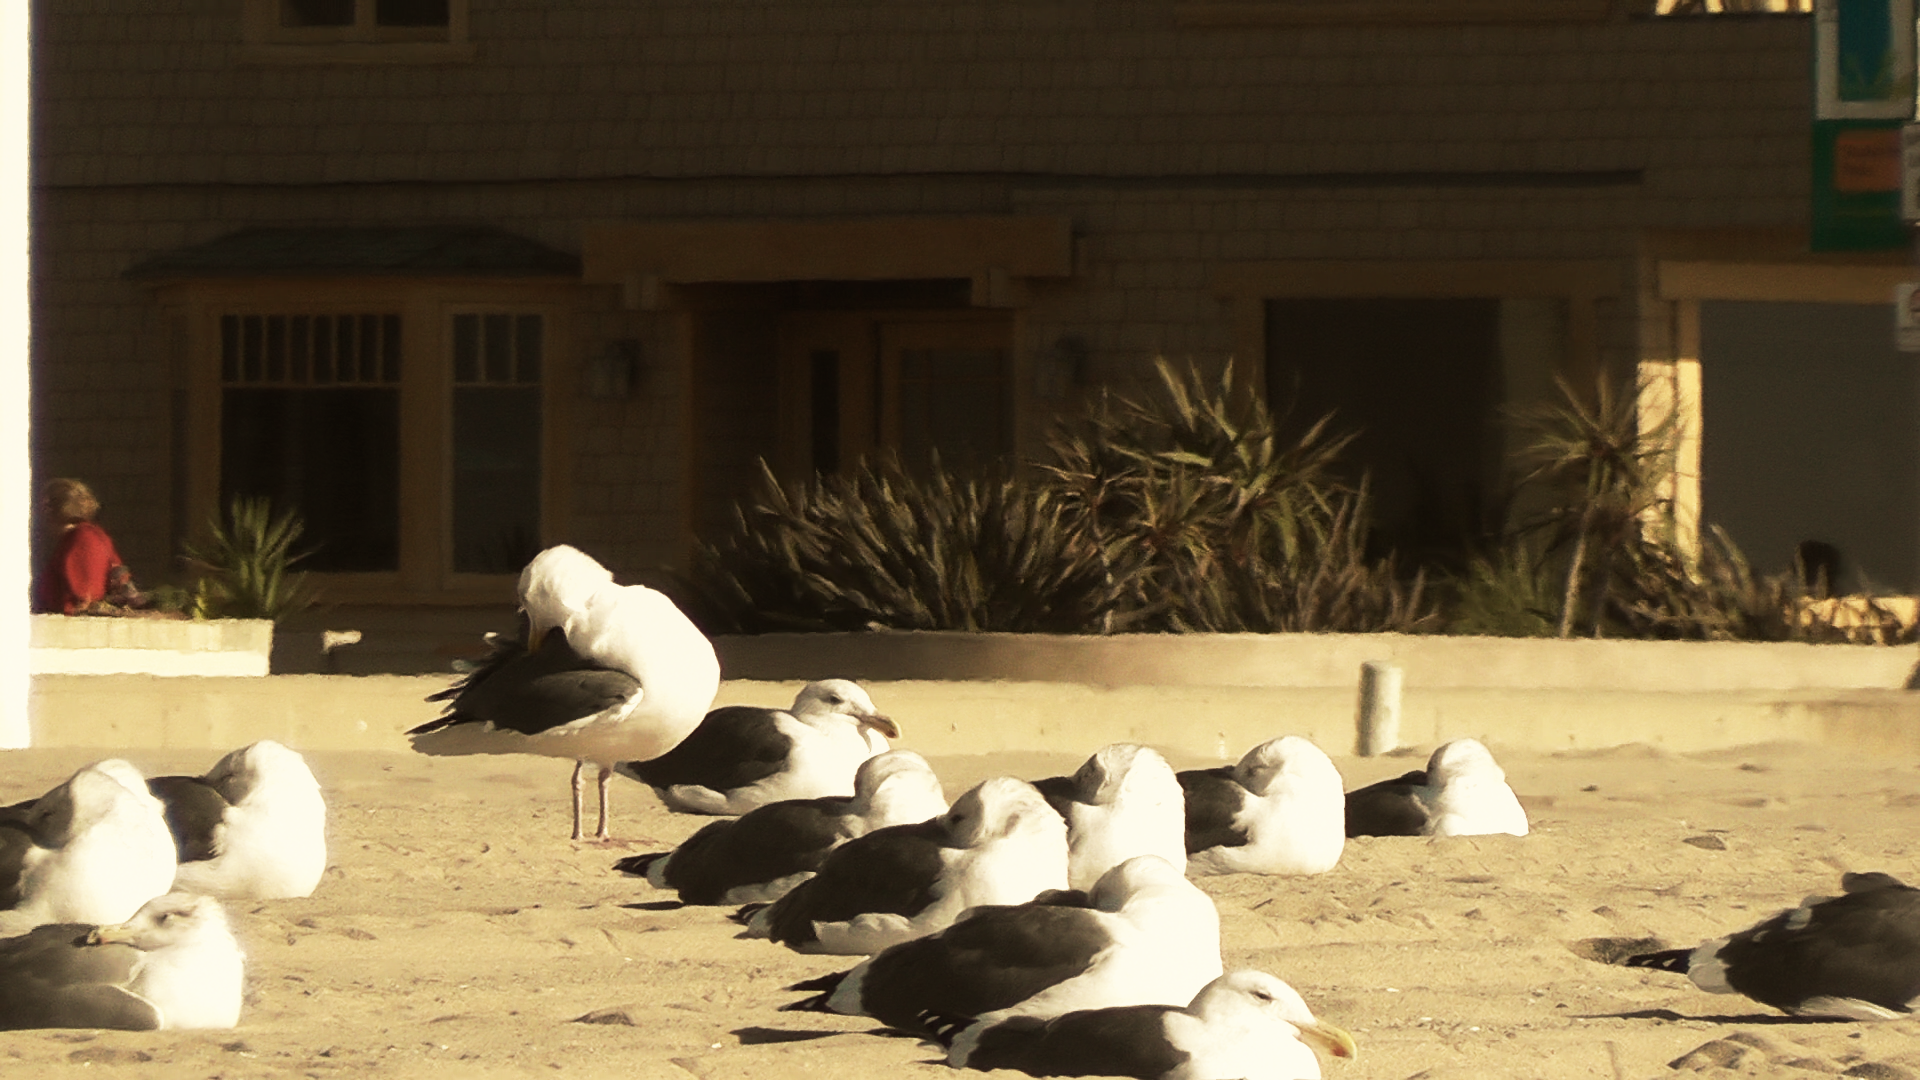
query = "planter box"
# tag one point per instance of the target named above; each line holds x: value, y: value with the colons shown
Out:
x: 103, y: 645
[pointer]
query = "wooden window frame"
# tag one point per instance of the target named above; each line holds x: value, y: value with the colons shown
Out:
x: 425, y: 572
x: 267, y: 42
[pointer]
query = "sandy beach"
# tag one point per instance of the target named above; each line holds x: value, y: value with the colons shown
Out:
x: 458, y: 933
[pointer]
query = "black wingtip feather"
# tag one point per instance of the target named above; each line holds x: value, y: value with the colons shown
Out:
x: 1674, y: 960
x: 638, y: 865
x: 944, y: 1027
x: 816, y: 1003
x: 745, y: 913
x: 828, y: 982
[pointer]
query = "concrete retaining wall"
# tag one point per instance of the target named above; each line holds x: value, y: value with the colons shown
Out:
x: 86, y: 645
x: 1321, y: 660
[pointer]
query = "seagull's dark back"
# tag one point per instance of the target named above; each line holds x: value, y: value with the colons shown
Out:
x: 1864, y: 945
x: 734, y: 746
x: 1388, y: 808
x: 887, y: 871
x: 195, y: 810
x: 1213, y: 798
x: 1126, y: 1041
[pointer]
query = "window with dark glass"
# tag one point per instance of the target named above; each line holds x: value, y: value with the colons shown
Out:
x: 310, y: 418
x: 497, y: 359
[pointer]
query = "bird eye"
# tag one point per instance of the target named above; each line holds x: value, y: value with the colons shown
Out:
x: 1263, y: 995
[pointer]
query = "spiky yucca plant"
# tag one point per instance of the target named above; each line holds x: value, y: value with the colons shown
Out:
x: 1242, y: 527
x: 1608, y: 467
x: 244, y: 566
x: 883, y: 548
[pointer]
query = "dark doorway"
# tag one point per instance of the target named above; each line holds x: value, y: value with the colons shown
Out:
x: 1420, y: 380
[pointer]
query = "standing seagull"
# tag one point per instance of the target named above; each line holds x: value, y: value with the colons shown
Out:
x: 743, y: 756
x: 173, y: 965
x: 254, y: 827
x: 764, y: 853
x: 1144, y: 935
x: 1281, y: 810
x: 1850, y: 957
x: 604, y: 673
x: 1000, y: 844
x: 1244, y: 1026
x: 1462, y: 792
x: 1124, y: 801
x: 91, y: 850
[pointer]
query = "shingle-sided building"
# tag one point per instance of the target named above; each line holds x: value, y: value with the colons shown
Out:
x: 457, y: 278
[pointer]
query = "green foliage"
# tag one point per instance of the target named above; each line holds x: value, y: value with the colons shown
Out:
x: 884, y: 549
x: 1244, y: 528
x: 1607, y: 470
x: 244, y: 565
x: 1508, y: 594
x: 1719, y: 597
x: 1183, y: 511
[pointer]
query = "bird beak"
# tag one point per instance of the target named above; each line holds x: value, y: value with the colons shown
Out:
x: 111, y: 935
x: 881, y: 724
x: 1334, y: 1040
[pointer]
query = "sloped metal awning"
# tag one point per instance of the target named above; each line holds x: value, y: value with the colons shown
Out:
x: 417, y: 251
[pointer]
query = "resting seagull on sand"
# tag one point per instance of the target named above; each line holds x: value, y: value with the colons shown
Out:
x: 1855, y: 956
x: 1244, y: 1026
x: 1000, y: 844
x: 1281, y: 810
x: 1124, y: 801
x: 173, y: 965
x: 743, y: 756
x: 1461, y: 792
x: 92, y: 850
x: 605, y: 673
x: 254, y: 827
x: 763, y: 854
x: 1145, y: 935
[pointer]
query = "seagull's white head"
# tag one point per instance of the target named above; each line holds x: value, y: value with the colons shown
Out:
x: 556, y: 584
x: 177, y: 918
x: 90, y: 795
x: 842, y: 697
x: 1254, y: 1002
x: 1132, y: 878
x: 259, y: 766
x: 897, y: 788
x: 1123, y: 771
x: 1288, y: 758
x: 1462, y: 759
x: 1001, y: 807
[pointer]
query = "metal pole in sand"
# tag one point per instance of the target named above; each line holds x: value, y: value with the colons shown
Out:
x: 1379, y: 708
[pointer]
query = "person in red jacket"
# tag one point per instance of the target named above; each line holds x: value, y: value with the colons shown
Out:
x: 84, y: 574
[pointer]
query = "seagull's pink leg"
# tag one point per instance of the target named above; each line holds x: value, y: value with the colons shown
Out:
x: 580, y: 796
x: 606, y: 773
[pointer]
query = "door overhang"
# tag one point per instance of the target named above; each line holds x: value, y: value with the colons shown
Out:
x: 995, y: 253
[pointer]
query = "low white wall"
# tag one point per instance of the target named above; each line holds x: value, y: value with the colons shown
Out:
x: 1319, y: 660
x: 103, y: 645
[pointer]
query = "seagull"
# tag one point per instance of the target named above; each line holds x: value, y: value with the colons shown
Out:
x: 254, y: 827
x: 1281, y: 810
x: 1124, y: 801
x: 1855, y: 956
x: 742, y: 757
x: 1244, y: 1026
x: 1461, y: 792
x: 175, y: 964
x: 1143, y: 935
x: 766, y: 852
x: 999, y: 844
x: 602, y: 673
x: 92, y: 850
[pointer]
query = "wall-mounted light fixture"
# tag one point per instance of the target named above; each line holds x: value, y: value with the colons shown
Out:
x: 612, y: 373
x: 1061, y: 368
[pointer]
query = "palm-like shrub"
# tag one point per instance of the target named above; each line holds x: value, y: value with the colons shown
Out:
x: 244, y: 566
x: 885, y: 549
x: 1186, y: 510
x: 1243, y: 527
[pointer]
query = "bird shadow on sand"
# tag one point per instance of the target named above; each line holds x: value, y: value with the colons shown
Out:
x: 760, y: 1036
x: 1748, y: 1018
x: 655, y: 905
